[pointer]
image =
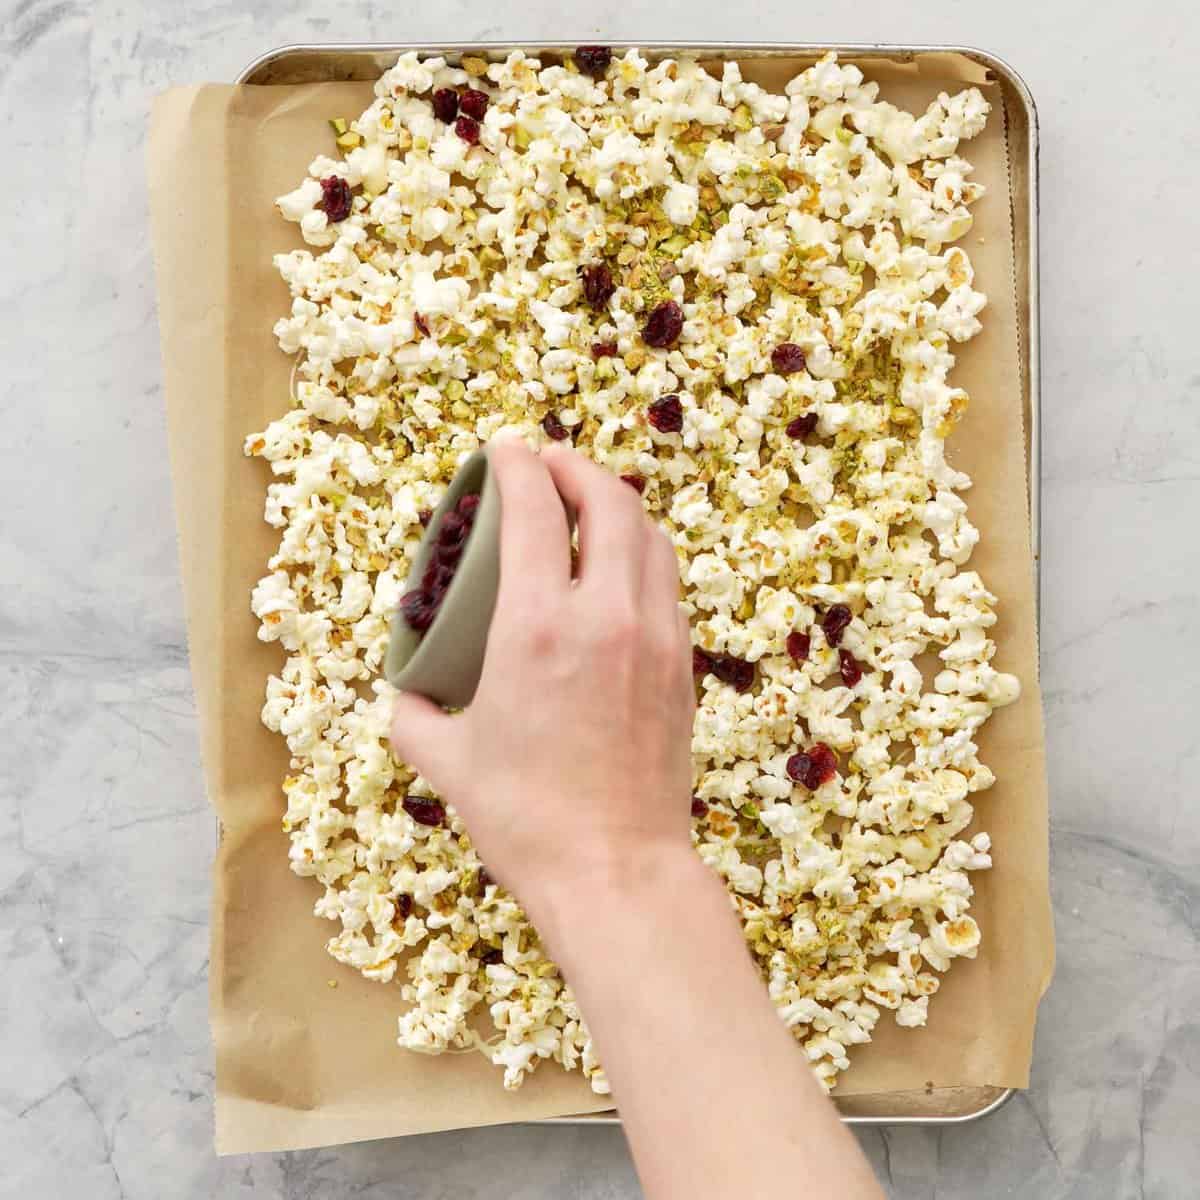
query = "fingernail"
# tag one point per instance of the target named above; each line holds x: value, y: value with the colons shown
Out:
x: 508, y: 435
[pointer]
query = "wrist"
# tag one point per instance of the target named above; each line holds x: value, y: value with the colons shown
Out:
x: 617, y: 882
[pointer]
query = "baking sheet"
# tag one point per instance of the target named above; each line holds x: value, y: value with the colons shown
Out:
x: 300, y: 1063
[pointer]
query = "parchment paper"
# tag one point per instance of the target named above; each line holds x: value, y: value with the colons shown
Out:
x: 300, y: 1063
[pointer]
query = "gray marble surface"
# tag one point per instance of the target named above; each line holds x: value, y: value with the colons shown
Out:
x: 105, y: 1066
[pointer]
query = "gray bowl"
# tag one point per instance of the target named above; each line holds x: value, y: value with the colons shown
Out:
x: 445, y: 663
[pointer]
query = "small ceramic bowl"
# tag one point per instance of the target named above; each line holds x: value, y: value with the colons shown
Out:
x: 446, y: 661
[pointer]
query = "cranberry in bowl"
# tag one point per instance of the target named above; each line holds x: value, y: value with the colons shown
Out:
x: 439, y: 628
x: 419, y: 606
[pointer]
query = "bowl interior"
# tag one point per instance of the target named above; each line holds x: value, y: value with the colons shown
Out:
x: 445, y: 662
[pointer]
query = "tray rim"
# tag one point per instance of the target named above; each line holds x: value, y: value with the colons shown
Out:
x: 1026, y: 199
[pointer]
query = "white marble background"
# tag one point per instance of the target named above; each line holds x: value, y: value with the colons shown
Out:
x: 105, y: 1066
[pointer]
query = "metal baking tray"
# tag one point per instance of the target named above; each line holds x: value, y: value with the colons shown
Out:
x: 339, y: 62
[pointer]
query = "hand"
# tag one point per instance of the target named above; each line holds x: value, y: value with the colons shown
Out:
x: 573, y: 760
x: 572, y: 770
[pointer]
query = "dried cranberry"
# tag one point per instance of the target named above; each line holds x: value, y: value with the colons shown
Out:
x: 598, y: 285
x: 702, y: 661
x: 448, y: 555
x: 445, y: 104
x: 420, y: 322
x: 736, y: 672
x: 419, y: 608
x: 423, y: 811
x: 404, y: 904
x: 335, y: 198
x: 850, y: 667
x: 798, y: 646
x: 473, y: 103
x: 492, y: 956
x: 787, y: 358
x: 824, y: 760
x: 442, y: 571
x: 813, y: 767
x: 699, y: 808
x: 467, y: 506
x: 468, y: 129
x: 664, y: 325
x: 593, y: 60
x: 604, y: 349
x: 453, y: 530
x: 425, y: 516
x: 555, y: 429
x: 835, y: 622
x: 637, y: 482
x: 436, y: 580
x: 799, y: 768
x: 799, y: 428
x: 666, y: 414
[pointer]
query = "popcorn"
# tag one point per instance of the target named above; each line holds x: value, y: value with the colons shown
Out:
x: 447, y: 306
x: 682, y: 203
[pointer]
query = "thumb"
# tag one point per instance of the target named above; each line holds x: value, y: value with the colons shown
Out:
x: 420, y: 734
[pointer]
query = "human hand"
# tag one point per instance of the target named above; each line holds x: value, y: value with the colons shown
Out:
x: 573, y: 760
x: 572, y: 771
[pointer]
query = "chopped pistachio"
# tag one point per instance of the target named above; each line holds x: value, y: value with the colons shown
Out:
x: 772, y: 186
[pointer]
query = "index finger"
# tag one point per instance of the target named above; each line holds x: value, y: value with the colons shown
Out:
x: 535, y: 543
x: 612, y: 523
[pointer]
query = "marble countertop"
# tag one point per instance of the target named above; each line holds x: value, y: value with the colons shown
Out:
x: 105, y: 834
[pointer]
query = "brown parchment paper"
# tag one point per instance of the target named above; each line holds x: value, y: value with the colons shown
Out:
x: 299, y: 1063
